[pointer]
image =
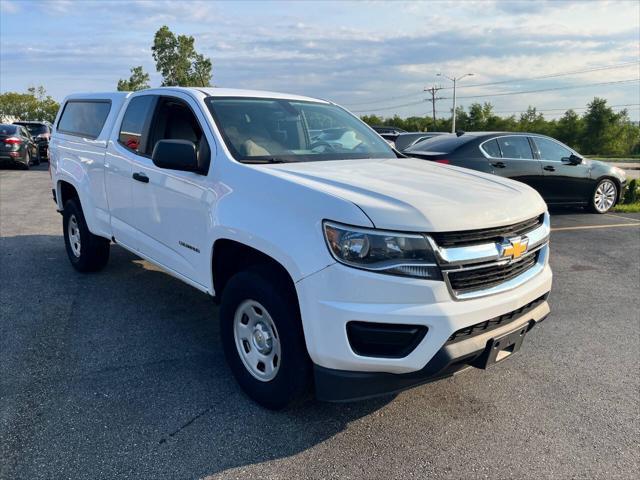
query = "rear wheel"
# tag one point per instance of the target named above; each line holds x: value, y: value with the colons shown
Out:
x: 604, y: 196
x: 27, y: 161
x: 86, y: 251
x: 262, y: 338
x: 37, y: 159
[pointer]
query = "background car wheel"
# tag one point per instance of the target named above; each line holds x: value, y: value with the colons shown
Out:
x: 37, y: 159
x: 604, y: 196
x: 262, y: 338
x: 87, y: 252
x: 27, y: 161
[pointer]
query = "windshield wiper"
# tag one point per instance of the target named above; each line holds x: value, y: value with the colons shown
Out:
x: 264, y: 160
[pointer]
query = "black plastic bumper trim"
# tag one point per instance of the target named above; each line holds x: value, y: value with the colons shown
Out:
x: 343, y: 386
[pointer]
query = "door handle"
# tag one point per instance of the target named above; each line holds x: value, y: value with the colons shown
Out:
x: 499, y: 164
x: 549, y: 168
x: 141, y: 177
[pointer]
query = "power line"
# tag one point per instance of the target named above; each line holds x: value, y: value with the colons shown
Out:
x: 551, y: 75
x: 501, y: 94
x: 500, y: 82
x: 562, y: 109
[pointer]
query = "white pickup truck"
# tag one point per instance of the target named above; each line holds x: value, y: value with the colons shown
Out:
x: 339, y: 264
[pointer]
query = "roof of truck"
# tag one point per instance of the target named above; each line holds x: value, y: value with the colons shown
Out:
x: 236, y: 92
x: 208, y: 91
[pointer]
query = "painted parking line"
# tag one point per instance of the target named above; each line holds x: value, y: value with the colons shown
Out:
x: 630, y: 219
x: 590, y: 227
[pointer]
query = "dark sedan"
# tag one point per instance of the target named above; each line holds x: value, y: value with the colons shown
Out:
x: 560, y: 174
x: 406, y: 140
x: 41, y: 133
x: 17, y: 146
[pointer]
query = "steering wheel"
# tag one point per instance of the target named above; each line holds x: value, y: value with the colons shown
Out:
x: 322, y: 143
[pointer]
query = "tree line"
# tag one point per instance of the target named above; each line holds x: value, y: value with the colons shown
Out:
x: 599, y: 131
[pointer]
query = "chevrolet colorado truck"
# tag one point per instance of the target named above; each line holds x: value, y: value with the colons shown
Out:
x: 340, y: 266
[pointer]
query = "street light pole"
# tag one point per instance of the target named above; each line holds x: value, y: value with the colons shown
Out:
x: 454, y: 80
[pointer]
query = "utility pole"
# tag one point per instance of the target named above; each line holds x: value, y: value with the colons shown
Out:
x: 433, y: 90
x: 454, y: 80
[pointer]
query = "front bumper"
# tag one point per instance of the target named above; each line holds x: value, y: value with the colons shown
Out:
x: 339, y: 385
x: 337, y: 295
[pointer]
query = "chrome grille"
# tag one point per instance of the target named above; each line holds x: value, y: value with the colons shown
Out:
x: 481, y: 278
x: 475, y: 263
x: 486, y: 235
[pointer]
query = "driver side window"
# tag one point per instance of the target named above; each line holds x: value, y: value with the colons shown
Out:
x: 550, y: 150
x: 174, y: 120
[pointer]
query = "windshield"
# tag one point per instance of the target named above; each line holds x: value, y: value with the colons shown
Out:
x: 264, y: 130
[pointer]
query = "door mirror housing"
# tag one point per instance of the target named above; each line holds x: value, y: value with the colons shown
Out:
x: 572, y: 159
x: 175, y: 155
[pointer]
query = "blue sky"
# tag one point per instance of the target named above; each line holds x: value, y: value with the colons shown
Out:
x: 369, y: 56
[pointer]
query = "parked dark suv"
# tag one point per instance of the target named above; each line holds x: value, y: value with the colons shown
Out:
x: 558, y: 173
x: 17, y: 146
x: 41, y: 133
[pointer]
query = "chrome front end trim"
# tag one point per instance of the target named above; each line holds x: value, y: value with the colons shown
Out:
x: 487, y: 252
x: 505, y: 286
x: 457, y: 259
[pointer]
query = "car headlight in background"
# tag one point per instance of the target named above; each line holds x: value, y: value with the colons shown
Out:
x: 393, y: 253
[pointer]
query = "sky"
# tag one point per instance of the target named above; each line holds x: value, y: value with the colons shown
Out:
x: 370, y: 56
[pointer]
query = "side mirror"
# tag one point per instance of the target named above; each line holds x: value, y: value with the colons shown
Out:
x: 572, y: 159
x: 175, y: 155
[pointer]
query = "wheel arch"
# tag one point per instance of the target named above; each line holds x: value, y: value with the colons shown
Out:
x: 230, y: 256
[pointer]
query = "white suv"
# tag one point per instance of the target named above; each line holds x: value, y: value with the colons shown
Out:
x: 339, y: 264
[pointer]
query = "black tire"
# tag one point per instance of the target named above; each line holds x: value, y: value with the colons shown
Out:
x: 37, y: 160
x: 292, y: 381
x: 604, y: 185
x: 93, y: 250
x: 27, y: 164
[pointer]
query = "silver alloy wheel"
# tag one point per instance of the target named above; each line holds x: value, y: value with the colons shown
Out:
x: 74, y: 235
x: 257, y: 340
x: 605, y: 196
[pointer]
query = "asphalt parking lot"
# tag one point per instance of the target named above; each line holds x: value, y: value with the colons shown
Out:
x: 120, y: 375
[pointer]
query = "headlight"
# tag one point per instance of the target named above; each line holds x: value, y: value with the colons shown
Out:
x: 393, y: 253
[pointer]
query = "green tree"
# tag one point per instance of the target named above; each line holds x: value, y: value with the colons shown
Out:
x: 604, y: 131
x: 178, y: 62
x: 139, y: 80
x: 35, y: 104
x: 570, y: 129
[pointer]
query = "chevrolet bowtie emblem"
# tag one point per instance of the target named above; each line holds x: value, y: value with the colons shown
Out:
x: 513, y: 247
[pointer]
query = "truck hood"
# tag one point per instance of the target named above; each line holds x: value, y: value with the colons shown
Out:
x: 416, y: 195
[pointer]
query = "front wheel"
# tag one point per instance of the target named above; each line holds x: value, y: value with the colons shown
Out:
x: 86, y: 251
x: 604, y: 196
x: 262, y: 338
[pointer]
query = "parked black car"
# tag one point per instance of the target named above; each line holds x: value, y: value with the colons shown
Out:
x: 406, y: 140
x: 559, y: 173
x: 389, y: 133
x: 388, y: 130
x: 41, y: 133
x: 17, y: 146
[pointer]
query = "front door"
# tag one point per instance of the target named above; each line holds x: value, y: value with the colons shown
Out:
x: 172, y: 209
x: 564, y: 182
